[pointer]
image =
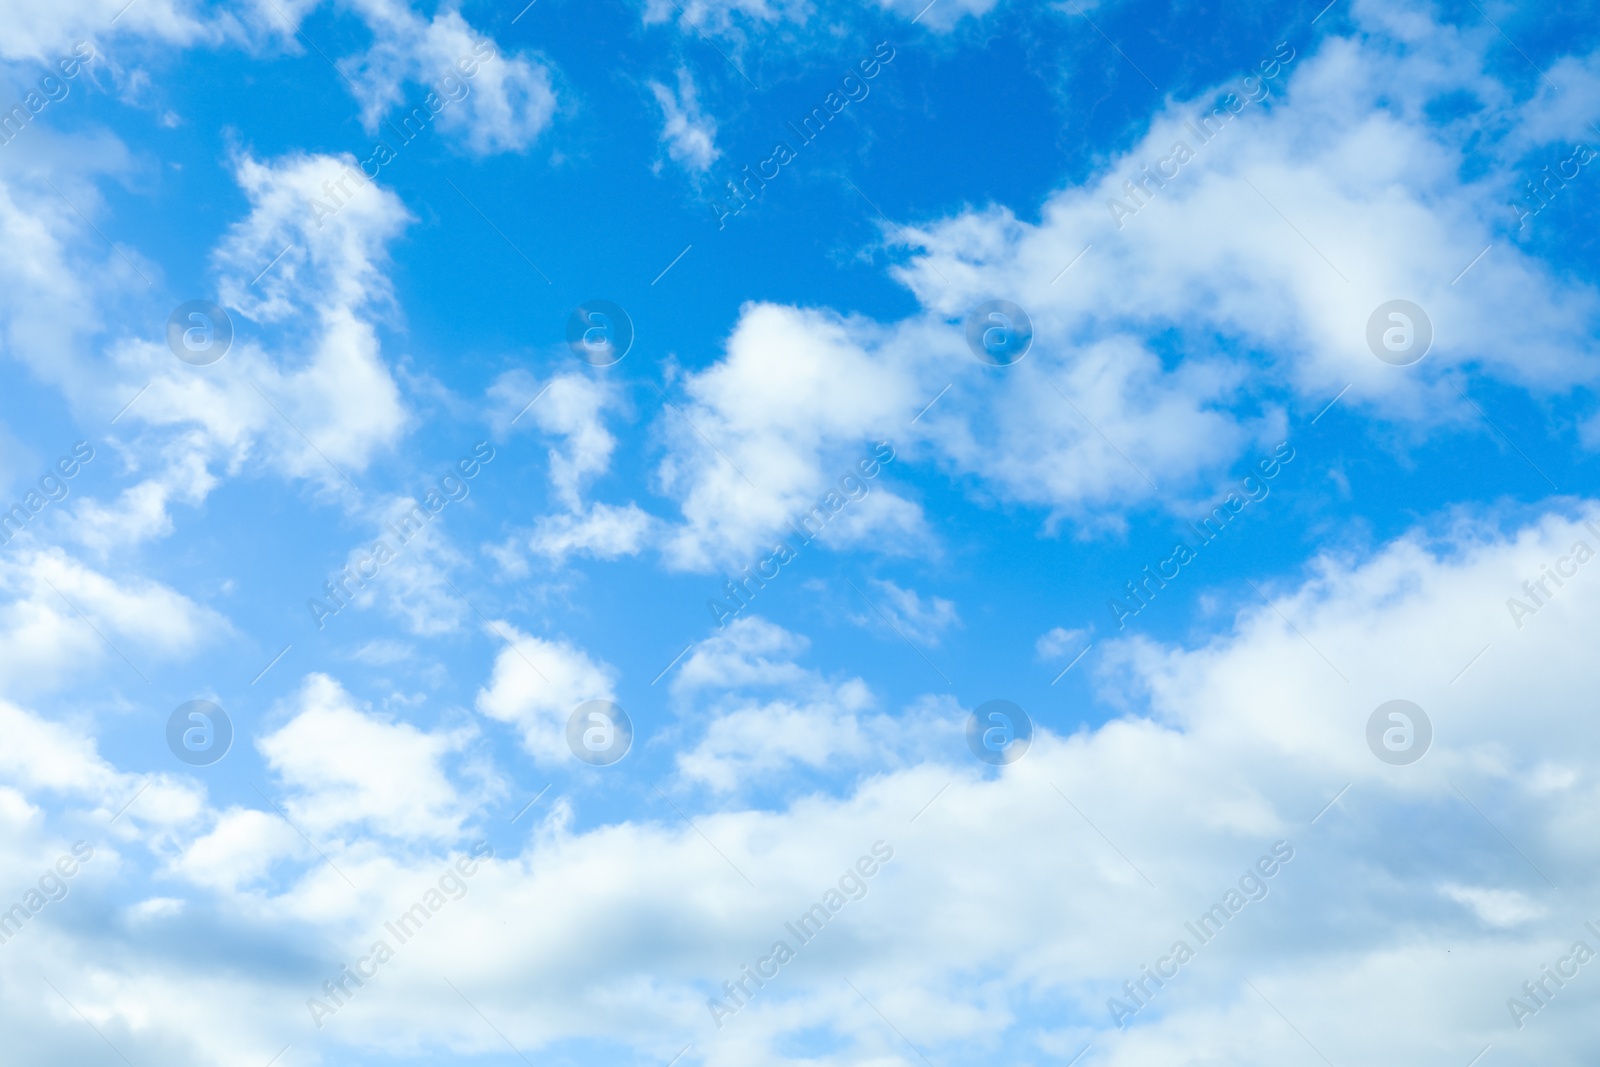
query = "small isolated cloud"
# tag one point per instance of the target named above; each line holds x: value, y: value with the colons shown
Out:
x: 689, y: 136
x: 488, y: 101
x: 750, y: 652
x: 604, y: 532
x: 1494, y: 907
x: 769, y: 716
x: 535, y: 686
x: 1058, y: 642
x: 922, y: 620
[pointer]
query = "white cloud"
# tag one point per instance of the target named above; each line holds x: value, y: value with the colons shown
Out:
x: 790, y: 411
x: 923, y: 621
x: 1057, y: 642
x: 753, y: 741
x: 508, y: 102
x: 44, y: 640
x: 352, y: 768
x: 739, y: 19
x: 571, y: 408
x: 48, y: 31
x: 324, y: 382
x: 332, y: 403
x: 619, y: 931
x: 1208, y: 248
x: 141, y: 511
x: 767, y: 717
x: 535, y: 686
x: 412, y: 584
x: 508, y: 99
x: 689, y: 136
x: 813, y: 723
x: 1201, y: 776
x: 241, y: 848
x: 1097, y: 419
x: 719, y: 14
x: 63, y: 285
x: 604, y: 532
x: 1495, y: 907
x: 751, y: 651
x: 43, y: 755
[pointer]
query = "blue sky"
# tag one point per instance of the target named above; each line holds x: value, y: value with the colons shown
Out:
x: 1201, y: 320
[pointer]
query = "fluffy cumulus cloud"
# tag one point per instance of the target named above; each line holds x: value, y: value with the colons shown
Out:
x: 61, y: 617
x: 1201, y: 817
x: 765, y: 715
x: 1172, y: 233
x: 1273, y: 214
x: 315, y: 396
x: 570, y: 408
x: 537, y: 684
x: 348, y: 766
x: 1225, y: 842
x: 790, y: 411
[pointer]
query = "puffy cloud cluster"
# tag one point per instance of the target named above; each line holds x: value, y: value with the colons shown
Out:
x: 624, y: 930
x: 1183, y: 303
x: 1421, y: 903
